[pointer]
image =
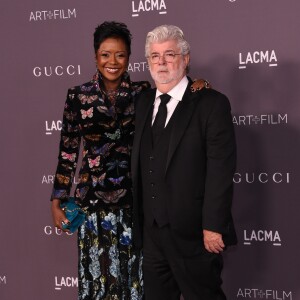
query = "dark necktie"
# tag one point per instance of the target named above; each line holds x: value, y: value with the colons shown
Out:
x: 160, y: 118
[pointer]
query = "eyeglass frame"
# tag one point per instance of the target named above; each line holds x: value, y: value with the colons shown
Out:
x: 173, y: 55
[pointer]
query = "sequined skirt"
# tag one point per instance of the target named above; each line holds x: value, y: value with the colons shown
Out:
x: 109, y: 267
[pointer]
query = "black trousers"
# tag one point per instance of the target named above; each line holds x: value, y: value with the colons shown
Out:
x: 174, y: 265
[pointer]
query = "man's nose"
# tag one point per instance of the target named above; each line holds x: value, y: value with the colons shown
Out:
x: 162, y: 60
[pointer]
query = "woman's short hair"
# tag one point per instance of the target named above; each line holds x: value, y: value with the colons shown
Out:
x: 112, y: 29
x: 164, y: 33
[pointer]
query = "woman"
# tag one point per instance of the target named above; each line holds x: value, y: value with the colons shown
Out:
x: 101, y: 114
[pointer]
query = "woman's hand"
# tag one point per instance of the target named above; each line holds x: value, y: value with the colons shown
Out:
x: 199, y: 84
x: 58, y: 215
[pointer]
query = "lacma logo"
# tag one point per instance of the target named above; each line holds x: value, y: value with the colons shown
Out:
x: 65, y: 282
x: 267, y: 236
x: 3, y: 279
x: 53, y: 126
x: 258, y: 57
x: 140, y: 6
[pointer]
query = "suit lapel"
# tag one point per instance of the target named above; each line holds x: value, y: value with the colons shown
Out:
x: 182, y: 116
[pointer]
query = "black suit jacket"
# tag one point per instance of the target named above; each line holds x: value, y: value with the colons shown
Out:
x: 199, y: 168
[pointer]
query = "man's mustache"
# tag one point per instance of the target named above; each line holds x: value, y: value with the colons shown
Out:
x: 162, y: 69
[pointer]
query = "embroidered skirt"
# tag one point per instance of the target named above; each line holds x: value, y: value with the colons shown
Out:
x: 109, y: 268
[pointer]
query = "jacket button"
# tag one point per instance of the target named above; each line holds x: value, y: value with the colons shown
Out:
x: 151, y: 157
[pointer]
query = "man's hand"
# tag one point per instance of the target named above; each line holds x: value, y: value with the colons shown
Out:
x: 213, y: 241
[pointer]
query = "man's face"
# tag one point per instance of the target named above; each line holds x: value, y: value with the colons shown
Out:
x: 171, y: 64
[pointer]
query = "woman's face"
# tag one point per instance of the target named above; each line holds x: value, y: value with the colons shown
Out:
x: 112, y: 61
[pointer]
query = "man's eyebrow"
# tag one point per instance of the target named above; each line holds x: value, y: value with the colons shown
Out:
x: 163, y: 52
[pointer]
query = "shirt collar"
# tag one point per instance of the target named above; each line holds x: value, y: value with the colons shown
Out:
x: 177, y: 91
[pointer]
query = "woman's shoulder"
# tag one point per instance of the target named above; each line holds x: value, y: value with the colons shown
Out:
x: 87, y: 87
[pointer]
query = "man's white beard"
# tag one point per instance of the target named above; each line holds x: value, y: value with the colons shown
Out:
x: 169, y: 76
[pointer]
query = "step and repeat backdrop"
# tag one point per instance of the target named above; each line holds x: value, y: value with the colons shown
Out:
x: 247, y: 49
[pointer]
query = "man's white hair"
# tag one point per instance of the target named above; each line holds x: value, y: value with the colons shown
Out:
x: 165, y: 33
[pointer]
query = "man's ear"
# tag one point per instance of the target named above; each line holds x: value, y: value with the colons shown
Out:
x: 186, y: 60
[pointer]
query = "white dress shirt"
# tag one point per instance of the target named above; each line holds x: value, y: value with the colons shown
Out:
x: 176, y: 95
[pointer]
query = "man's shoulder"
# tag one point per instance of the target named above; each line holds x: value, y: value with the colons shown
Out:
x: 145, y: 93
x: 147, y: 90
x: 210, y: 94
x: 211, y: 97
x: 208, y: 102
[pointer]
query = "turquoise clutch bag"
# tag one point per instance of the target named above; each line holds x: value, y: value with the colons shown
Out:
x: 74, y: 214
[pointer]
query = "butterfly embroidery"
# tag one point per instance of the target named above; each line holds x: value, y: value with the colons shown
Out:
x: 101, y: 100
x: 84, y: 88
x: 129, y: 110
x: 87, y: 113
x: 110, y: 197
x: 117, y: 164
x: 69, y: 156
x: 104, y: 150
x: 94, y: 162
x: 83, y: 178
x: 70, y: 142
x: 96, y: 169
x: 67, y: 167
x: 71, y: 96
x: 59, y: 194
x: 87, y: 99
x: 71, y: 127
x: 110, y: 112
x: 126, y: 121
x: 116, y: 181
x: 125, y: 84
x: 63, y: 179
x: 70, y: 115
x: 94, y: 202
x: 123, y: 150
x: 114, y: 136
x: 107, y: 125
x: 98, y: 180
x: 93, y: 137
x: 123, y: 94
x: 81, y: 192
x: 88, y: 125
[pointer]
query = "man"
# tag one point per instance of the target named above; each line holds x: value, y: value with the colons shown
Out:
x: 183, y: 162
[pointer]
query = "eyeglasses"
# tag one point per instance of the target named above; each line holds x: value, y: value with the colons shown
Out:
x: 167, y: 56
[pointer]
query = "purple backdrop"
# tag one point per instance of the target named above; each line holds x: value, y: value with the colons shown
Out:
x: 248, y: 49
